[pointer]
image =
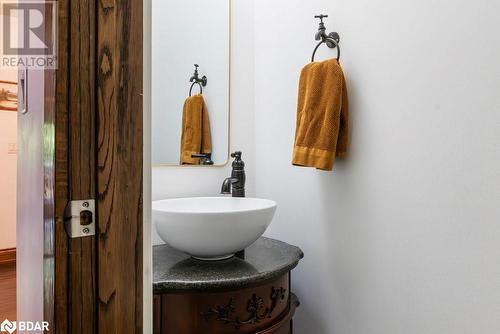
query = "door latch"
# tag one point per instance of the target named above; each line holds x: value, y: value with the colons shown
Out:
x: 23, y: 92
x: 79, y: 218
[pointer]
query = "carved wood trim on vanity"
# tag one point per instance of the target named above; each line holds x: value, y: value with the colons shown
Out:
x: 267, y: 308
x: 257, y: 311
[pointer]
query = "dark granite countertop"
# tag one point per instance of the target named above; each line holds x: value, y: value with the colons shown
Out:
x: 265, y: 259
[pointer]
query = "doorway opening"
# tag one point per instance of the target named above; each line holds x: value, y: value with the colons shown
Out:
x: 8, y: 190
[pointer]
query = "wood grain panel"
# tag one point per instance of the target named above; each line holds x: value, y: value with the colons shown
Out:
x: 75, y: 164
x: 82, y: 113
x: 119, y: 174
x: 98, y: 102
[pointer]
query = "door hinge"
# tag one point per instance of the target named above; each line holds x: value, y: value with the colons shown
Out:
x: 79, y: 218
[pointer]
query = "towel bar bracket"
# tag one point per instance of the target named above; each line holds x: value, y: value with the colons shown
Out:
x: 335, y: 36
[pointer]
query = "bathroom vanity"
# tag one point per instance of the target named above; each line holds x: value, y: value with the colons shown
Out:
x: 238, y: 295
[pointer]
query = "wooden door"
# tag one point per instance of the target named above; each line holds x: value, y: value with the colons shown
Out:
x: 99, y: 155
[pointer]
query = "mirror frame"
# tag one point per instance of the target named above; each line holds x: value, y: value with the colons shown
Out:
x: 229, y: 36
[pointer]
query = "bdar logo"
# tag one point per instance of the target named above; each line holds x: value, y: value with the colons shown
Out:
x: 8, y: 326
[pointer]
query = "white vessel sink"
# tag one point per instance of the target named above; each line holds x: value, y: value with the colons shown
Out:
x: 212, y: 228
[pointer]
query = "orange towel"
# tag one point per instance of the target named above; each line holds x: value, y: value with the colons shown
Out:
x: 322, y: 131
x: 196, y: 137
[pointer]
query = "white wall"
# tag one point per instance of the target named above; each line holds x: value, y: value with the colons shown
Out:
x: 8, y: 163
x: 171, y: 182
x: 403, y: 237
x: 187, y: 32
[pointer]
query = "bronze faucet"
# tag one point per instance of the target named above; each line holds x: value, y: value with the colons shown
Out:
x: 235, y: 184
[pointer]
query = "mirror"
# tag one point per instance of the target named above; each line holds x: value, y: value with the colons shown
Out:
x: 190, y: 52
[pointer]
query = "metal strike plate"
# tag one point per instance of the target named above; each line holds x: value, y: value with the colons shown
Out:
x: 79, y: 218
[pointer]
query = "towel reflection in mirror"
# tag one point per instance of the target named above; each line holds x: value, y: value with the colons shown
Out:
x: 196, y: 137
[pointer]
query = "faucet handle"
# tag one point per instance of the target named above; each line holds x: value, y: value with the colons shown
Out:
x: 237, y: 163
x: 321, y: 17
x: 236, y: 155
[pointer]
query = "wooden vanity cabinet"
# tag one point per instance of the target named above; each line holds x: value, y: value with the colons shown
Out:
x: 241, y: 295
x: 267, y: 308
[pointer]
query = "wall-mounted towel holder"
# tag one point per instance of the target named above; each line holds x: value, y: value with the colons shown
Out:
x: 195, y: 79
x: 331, y: 40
